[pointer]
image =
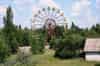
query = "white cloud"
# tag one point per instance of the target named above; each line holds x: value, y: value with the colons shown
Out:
x: 44, y: 3
x: 79, y: 6
x: 2, y: 10
x: 23, y: 2
x: 35, y: 5
x: 98, y: 4
x: 85, y: 2
x: 39, y: 3
x: 2, y: 13
x: 81, y: 10
x: 35, y: 9
x: 50, y: 3
x: 76, y: 9
x: 98, y: 10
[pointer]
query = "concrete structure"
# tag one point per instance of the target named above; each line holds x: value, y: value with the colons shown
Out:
x: 25, y: 50
x: 92, y: 49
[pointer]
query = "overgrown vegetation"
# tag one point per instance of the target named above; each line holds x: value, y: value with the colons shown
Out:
x: 4, y: 50
x: 69, y: 44
x: 47, y: 59
x: 15, y: 36
x: 37, y: 44
x: 66, y: 44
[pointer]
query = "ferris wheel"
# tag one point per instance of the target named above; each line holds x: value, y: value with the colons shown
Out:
x: 49, y: 16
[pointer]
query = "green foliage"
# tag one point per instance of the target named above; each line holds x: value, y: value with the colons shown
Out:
x: 19, y: 35
x: 23, y: 36
x: 65, y: 44
x: 4, y: 50
x: 13, y: 45
x: 67, y: 47
x: 74, y: 28
x: 94, y: 32
x: 37, y: 44
x: 26, y: 37
x: 54, y: 43
x: 59, y: 31
x: 9, y: 30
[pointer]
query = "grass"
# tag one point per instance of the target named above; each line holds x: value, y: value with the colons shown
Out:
x: 47, y: 59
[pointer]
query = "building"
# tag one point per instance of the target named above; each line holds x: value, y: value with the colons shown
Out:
x: 92, y: 49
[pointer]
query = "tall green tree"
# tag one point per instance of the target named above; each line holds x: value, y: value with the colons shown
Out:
x: 74, y: 28
x: 26, y: 37
x: 10, y: 30
x: 19, y: 35
x: 4, y: 50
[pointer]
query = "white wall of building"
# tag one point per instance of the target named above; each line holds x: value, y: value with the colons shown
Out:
x: 94, y: 57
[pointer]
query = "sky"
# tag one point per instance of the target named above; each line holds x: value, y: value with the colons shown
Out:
x: 83, y: 13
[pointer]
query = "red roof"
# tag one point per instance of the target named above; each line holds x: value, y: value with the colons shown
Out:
x: 92, y: 44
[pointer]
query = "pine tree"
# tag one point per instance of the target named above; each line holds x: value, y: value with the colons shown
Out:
x: 26, y: 37
x: 10, y: 30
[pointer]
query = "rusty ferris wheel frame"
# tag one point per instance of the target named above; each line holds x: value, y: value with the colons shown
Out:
x: 50, y: 18
x: 53, y: 14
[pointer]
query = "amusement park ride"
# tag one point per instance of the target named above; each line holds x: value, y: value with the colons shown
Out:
x: 49, y: 18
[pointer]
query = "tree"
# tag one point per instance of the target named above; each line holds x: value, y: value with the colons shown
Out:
x: 59, y: 31
x: 74, y: 28
x: 26, y: 37
x: 37, y: 43
x: 19, y: 35
x: 4, y: 50
x: 10, y: 30
x: 68, y: 46
x: 96, y: 28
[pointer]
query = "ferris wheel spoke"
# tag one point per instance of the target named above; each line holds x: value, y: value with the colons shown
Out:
x: 60, y: 22
x: 58, y: 16
x: 38, y: 16
x: 38, y: 24
x: 42, y: 13
x: 60, y: 19
x: 54, y: 13
x: 37, y: 20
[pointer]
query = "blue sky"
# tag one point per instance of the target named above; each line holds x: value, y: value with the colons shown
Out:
x: 83, y: 13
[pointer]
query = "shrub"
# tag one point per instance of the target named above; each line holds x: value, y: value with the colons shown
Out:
x: 64, y: 54
x: 69, y: 46
x: 4, y: 50
x: 64, y: 49
x: 37, y: 45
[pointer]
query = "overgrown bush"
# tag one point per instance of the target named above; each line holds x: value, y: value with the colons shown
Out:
x: 69, y: 46
x: 4, y: 50
x: 54, y: 43
x: 37, y: 45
